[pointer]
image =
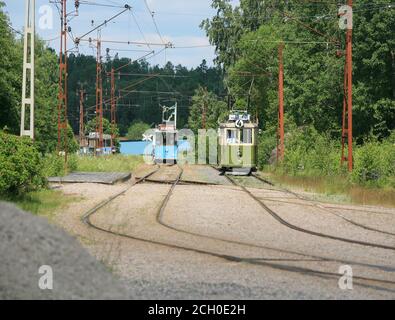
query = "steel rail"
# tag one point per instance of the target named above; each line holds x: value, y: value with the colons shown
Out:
x: 323, y: 208
x: 303, y: 230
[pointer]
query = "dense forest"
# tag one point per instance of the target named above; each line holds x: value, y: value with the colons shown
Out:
x: 140, y: 102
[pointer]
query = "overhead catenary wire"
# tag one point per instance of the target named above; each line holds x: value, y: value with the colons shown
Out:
x: 141, y: 43
x: 152, y: 14
x: 150, y: 74
x: 13, y: 29
x: 77, y: 40
x: 139, y: 28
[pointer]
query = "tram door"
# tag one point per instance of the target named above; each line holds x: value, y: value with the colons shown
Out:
x: 166, y: 147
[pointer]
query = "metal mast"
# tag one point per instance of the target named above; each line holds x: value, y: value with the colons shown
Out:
x: 28, y: 69
x: 62, y: 95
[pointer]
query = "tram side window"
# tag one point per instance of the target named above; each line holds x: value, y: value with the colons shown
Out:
x: 246, y: 136
x: 231, y: 136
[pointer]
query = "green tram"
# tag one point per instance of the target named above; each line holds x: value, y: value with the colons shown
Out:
x: 237, y: 145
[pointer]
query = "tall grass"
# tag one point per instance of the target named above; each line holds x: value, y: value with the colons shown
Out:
x: 43, y: 202
x: 54, y: 165
x: 114, y: 163
x: 338, y: 189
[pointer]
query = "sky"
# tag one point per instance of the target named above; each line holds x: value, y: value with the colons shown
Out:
x: 177, y: 21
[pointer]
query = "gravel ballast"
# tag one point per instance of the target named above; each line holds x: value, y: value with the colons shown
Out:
x: 28, y: 242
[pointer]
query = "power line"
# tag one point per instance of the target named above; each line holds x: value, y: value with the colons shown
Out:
x: 127, y: 7
x: 150, y: 74
x: 169, y: 45
x: 152, y: 14
x: 13, y: 29
x: 192, y: 46
x: 141, y: 32
x: 128, y: 50
x: 89, y: 3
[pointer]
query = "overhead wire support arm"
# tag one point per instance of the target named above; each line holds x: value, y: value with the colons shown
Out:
x: 306, y: 26
x: 166, y: 45
x: 78, y: 39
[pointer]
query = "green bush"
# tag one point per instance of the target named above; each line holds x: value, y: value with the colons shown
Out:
x: 54, y: 165
x: 309, y: 153
x: 267, y: 143
x: 21, y: 167
x: 374, y: 164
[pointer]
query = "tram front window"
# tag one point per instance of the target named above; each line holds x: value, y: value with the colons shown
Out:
x: 246, y: 136
x: 165, y: 139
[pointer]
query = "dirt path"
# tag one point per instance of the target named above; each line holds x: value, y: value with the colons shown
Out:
x: 223, y: 220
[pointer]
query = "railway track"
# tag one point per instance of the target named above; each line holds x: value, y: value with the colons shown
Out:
x: 300, y: 229
x: 323, y: 208
x: 273, y: 263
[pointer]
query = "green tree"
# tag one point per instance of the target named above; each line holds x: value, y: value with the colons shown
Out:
x: 136, y: 130
x: 11, y: 75
x: 208, y: 103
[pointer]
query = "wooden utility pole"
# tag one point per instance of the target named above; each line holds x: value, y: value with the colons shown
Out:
x: 82, y: 128
x: 62, y: 90
x: 347, y: 133
x: 204, y: 111
x: 280, y: 145
x: 28, y: 69
x: 113, y: 109
x: 99, y: 98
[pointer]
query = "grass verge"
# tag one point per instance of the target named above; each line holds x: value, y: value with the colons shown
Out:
x: 115, y: 163
x: 337, y: 189
x: 42, y: 203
